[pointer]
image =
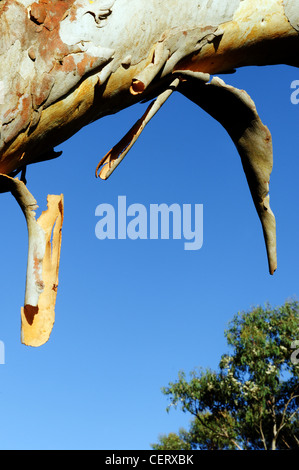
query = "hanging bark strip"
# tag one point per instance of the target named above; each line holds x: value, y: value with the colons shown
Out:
x: 238, y: 115
x: 44, y: 242
x: 113, y: 158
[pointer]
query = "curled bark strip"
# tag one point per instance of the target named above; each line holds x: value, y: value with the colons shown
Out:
x: 141, y: 82
x: 236, y: 111
x: 37, y: 331
x: 114, y: 157
x: 44, y: 241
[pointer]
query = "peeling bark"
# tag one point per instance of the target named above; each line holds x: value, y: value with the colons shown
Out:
x: 44, y: 241
x: 67, y: 63
x: 70, y: 62
x: 252, y: 140
x: 291, y: 10
x: 38, y: 319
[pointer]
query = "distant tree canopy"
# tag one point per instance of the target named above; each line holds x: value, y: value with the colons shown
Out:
x: 252, y: 401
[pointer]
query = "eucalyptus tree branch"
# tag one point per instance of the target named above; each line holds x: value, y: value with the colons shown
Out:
x: 65, y: 64
x: 285, y: 420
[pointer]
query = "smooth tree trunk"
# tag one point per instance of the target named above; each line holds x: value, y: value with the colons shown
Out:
x: 66, y: 63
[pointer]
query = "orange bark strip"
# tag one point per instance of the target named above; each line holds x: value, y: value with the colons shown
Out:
x: 38, y: 321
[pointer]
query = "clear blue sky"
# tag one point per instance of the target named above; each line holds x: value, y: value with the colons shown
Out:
x: 131, y: 314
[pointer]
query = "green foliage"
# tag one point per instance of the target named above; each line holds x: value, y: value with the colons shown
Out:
x: 173, y: 442
x: 252, y: 401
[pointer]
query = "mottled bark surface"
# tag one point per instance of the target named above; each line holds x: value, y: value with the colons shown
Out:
x: 66, y: 63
